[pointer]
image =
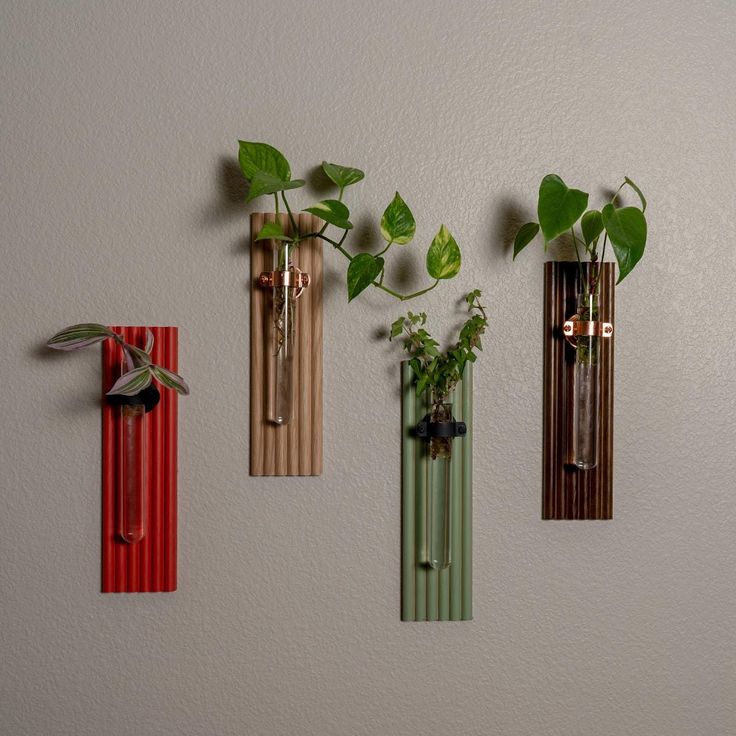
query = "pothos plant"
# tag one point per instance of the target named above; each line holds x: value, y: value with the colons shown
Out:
x: 268, y: 172
x: 141, y: 370
x: 433, y: 369
x: 559, y: 209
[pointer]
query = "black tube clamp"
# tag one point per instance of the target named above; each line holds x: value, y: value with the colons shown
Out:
x: 426, y: 429
x: 149, y: 397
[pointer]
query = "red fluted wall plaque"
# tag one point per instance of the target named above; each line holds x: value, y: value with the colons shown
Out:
x: 149, y: 565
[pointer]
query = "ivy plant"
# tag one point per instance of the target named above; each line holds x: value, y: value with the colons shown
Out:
x: 560, y: 209
x: 433, y: 369
x: 268, y: 172
x: 141, y: 369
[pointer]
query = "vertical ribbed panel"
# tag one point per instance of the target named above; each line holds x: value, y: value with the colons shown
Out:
x: 427, y: 594
x: 294, y: 448
x: 148, y: 565
x: 570, y: 493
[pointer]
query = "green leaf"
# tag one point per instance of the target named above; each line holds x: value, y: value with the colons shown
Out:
x: 332, y: 211
x: 255, y: 157
x: 80, y: 336
x: 363, y: 270
x: 591, y: 225
x: 627, y: 229
x: 169, y: 379
x: 265, y: 183
x: 132, y: 382
x: 343, y: 176
x: 443, y: 256
x: 398, y: 224
x: 638, y: 191
x: 526, y: 234
x: 559, y: 207
x: 397, y: 327
x: 272, y: 231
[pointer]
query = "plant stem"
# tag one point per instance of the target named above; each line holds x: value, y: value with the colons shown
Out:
x: 405, y: 297
x: 276, y: 200
x: 577, y: 255
x: 294, y: 227
x: 378, y: 284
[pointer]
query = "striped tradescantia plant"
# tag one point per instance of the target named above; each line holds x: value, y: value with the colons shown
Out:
x: 141, y: 369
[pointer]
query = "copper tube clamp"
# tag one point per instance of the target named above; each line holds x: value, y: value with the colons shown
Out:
x: 426, y: 429
x: 575, y: 327
x: 293, y: 279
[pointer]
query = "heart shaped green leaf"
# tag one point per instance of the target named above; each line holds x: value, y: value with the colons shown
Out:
x: 332, y: 211
x: 526, y: 234
x: 398, y: 224
x: 343, y: 176
x: 559, y: 207
x: 627, y: 229
x: 272, y: 231
x: 443, y: 256
x: 255, y: 157
x: 363, y: 270
x: 638, y: 191
x: 591, y: 225
x: 265, y: 183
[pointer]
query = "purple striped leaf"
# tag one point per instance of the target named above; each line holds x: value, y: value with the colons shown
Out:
x: 132, y: 382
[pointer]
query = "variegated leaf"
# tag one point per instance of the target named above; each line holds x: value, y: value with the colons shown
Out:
x: 138, y: 356
x: 169, y: 379
x: 132, y: 382
x: 80, y: 336
x: 149, y: 341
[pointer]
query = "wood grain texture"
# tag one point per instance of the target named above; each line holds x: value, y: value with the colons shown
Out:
x: 294, y: 448
x: 427, y: 594
x: 568, y: 492
x: 148, y: 566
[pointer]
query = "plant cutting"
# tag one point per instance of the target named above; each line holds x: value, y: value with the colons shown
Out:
x: 563, y: 213
x: 136, y: 396
x: 437, y: 372
x: 269, y: 173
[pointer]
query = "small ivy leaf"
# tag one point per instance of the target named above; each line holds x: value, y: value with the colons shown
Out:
x: 443, y: 256
x: 334, y: 212
x: 272, y: 231
x: 627, y: 229
x: 132, y: 382
x: 255, y: 157
x: 362, y: 272
x: 80, y: 336
x: 343, y: 176
x: 397, y: 327
x: 398, y: 224
x: 149, y: 341
x: 169, y: 379
x: 638, y: 191
x: 264, y: 182
x: 558, y: 207
x: 526, y: 234
x: 592, y: 226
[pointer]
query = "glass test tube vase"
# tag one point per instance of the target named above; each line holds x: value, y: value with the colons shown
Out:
x: 586, y: 386
x: 282, y: 336
x: 133, y: 487
x: 439, y: 492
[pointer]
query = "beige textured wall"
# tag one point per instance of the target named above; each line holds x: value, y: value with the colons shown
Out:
x: 119, y: 204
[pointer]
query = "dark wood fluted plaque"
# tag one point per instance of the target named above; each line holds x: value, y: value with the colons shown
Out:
x: 570, y: 493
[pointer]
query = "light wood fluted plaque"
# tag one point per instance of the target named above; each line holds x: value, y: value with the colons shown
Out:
x: 428, y: 594
x: 294, y: 448
x: 568, y: 492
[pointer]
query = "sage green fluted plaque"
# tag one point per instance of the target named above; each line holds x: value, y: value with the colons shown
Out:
x: 428, y: 594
